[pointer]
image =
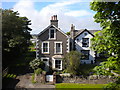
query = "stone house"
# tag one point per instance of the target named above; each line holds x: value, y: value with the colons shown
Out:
x: 53, y: 44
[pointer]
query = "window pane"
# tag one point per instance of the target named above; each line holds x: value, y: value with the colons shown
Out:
x: 85, y: 42
x: 45, y: 59
x: 58, y: 64
x: 58, y: 49
x: 52, y: 34
x: 45, y: 47
x: 85, y: 54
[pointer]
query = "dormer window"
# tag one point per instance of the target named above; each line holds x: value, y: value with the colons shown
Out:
x: 52, y: 33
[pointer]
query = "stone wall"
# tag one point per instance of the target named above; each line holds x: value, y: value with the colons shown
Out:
x: 87, y: 80
x: 42, y: 78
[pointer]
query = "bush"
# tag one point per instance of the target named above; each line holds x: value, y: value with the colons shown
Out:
x: 36, y: 63
x: 113, y: 86
x: 38, y: 71
x: 65, y: 71
x: 33, y: 77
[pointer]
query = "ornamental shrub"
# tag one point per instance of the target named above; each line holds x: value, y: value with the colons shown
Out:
x: 36, y: 63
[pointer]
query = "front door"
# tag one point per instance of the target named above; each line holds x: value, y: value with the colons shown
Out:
x: 46, y: 61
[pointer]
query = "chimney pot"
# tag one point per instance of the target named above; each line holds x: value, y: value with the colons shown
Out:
x: 54, y: 20
x: 56, y: 17
x: 72, y: 27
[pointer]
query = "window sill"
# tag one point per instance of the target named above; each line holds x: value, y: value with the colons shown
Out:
x: 85, y: 46
x: 58, y: 53
x: 52, y: 39
x: 57, y: 69
x: 45, y: 53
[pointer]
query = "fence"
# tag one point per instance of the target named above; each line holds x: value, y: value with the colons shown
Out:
x: 5, y: 72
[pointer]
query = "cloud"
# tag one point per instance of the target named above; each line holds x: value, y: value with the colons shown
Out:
x: 78, y: 13
x: 41, y: 19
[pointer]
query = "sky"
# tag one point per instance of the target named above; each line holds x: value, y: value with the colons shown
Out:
x: 68, y: 12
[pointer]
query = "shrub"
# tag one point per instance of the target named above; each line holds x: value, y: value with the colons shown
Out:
x: 33, y: 77
x: 36, y: 63
x: 65, y: 71
x: 38, y: 71
x: 113, y: 85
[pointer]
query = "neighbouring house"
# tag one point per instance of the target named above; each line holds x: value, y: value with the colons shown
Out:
x: 52, y: 45
x: 80, y: 41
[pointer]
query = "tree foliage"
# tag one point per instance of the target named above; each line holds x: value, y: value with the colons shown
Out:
x: 15, y: 35
x: 107, y: 40
x: 72, y: 62
x: 68, y: 33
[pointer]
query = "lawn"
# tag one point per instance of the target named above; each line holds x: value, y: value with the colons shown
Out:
x: 87, y: 86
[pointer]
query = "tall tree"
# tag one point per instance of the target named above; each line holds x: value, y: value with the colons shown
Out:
x: 72, y: 62
x: 108, y: 40
x: 15, y: 35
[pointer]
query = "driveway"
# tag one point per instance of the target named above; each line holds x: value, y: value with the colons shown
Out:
x: 25, y: 82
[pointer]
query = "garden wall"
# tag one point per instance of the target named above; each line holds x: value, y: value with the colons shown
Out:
x: 93, y: 79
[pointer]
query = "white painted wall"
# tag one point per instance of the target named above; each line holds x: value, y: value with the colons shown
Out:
x: 78, y: 46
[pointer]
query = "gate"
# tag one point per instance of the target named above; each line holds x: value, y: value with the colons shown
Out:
x: 49, y: 78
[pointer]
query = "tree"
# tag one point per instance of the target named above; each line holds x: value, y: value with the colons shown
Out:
x: 108, y: 40
x: 72, y: 62
x: 15, y: 35
x: 68, y: 33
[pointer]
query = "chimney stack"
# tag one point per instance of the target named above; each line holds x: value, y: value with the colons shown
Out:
x: 72, y: 31
x: 72, y: 34
x: 54, y: 20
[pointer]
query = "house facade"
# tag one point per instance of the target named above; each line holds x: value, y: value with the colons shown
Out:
x: 81, y: 42
x: 53, y: 44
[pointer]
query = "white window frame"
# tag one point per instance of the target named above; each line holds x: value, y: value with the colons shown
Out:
x: 85, y: 42
x: 54, y: 63
x: 42, y: 47
x: 61, y: 46
x: 88, y: 54
x: 45, y: 58
x: 54, y: 33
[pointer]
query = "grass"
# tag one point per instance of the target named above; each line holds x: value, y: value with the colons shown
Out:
x: 9, y: 76
x: 73, y: 85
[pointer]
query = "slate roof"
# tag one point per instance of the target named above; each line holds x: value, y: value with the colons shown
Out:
x: 77, y: 32
x: 53, y: 27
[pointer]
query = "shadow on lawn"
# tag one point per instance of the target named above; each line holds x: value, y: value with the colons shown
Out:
x: 20, y: 66
x: 9, y: 83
